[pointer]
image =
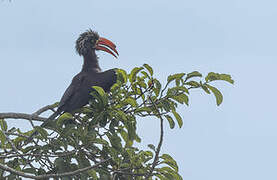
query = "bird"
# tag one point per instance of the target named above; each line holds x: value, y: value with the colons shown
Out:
x: 77, y: 94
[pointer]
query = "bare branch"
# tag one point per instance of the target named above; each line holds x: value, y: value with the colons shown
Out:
x: 38, y: 112
x: 12, y: 115
x: 35, y: 116
x: 72, y: 173
x: 45, y: 108
x: 15, y: 134
x: 157, y: 152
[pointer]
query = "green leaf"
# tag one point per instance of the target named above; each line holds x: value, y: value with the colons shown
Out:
x: 115, y: 87
x: 181, y: 88
x: 166, y: 105
x: 2, y: 138
x: 168, y: 172
x: 177, y: 90
x: 17, y: 140
x: 41, y: 131
x: 143, y: 109
x: 86, y: 110
x: 59, y: 162
x: 93, y: 174
x: 41, y: 171
x: 170, y: 121
x: 102, y: 118
x: 124, y: 135
x: 157, y: 87
x: 146, y: 75
x: 178, y: 118
x: 115, y: 141
x: 4, y: 125
x: 131, y: 127
x: 134, y: 73
x: 121, y: 115
x: 149, y: 68
x: 141, y: 84
x: 64, y: 117
x: 151, y: 146
x: 170, y: 161
x: 216, y: 76
x: 193, y: 74
x: 175, y: 76
x: 137, y: 138
x: 27, y: 149
x: 100, y: 141
x: 184, y: 98
x: 130, y: 101
x: 121, y: 75
x: 193, y: 84
x: 205, y: 88
x: 172, y: 92
x: 217, y: 94
x: 181, y: 98
x: 160, y: 177
x: 99, y: 90
x: 227, y: 77
x: 100, y: 95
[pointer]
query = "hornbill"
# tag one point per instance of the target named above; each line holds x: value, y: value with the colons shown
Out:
x: 78, y: 93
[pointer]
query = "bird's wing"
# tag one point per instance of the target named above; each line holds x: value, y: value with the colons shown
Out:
x: 70, y: 92
x: 108, y: 78
x: 77, y: 94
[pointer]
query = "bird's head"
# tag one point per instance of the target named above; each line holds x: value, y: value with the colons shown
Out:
x: 90, y: 41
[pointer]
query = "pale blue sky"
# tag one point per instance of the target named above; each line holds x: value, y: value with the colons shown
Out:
x: 234, y: 141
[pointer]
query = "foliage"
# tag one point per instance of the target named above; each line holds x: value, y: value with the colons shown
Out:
x: 103, y: 133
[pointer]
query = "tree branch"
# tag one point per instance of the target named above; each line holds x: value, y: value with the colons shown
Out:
x: 72, y: 173
x: 12, y: 115
x: 11, y: 143
x: 157, y: 152
x: 129, y: 173
x: 35, y: 116
x: 15, y: 134
x: 39, y: 155
x: 45, y: 108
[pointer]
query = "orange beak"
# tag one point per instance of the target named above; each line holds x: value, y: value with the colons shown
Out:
x: 102, y: 45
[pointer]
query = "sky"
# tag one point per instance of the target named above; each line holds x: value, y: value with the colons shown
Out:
x: 236, y: 140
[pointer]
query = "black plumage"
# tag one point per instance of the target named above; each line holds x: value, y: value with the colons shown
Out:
x: 78, y: 93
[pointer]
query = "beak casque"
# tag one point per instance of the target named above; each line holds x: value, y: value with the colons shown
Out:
x: 102, y: 45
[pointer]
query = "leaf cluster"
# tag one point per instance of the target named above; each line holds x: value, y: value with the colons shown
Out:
x: 106, y: 129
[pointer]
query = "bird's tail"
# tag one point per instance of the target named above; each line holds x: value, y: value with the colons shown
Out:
x: 44, y: 124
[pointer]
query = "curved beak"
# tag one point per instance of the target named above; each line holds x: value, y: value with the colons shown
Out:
x: 106, y: 45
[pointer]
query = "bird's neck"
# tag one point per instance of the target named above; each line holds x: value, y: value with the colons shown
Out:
x: 91, y: 62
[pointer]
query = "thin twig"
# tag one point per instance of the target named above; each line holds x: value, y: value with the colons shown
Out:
x: 39, y: 155
x: 15, y: 134
x: 157, y: 152
x: 43, y: 109
x: 11, y: 143
x: 136, y: 98
x: 164, y: 89
x: 129, y: 173
x: 145, y: 115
